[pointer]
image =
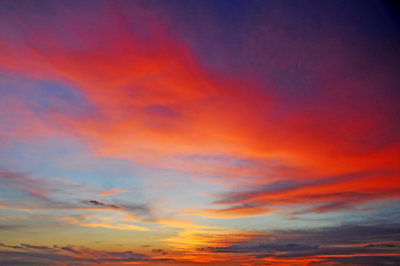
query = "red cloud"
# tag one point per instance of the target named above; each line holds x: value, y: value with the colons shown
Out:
x: 157, y: 103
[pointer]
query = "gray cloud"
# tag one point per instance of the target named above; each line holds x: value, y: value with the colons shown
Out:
x: 333, y: 244
x: 44, y: 255
x: 159, y: 251
x: 268, y: 248
x: 98, y: 203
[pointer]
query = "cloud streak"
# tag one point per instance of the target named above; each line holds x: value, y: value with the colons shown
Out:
x: 326, y: 193
x: 113, y: 192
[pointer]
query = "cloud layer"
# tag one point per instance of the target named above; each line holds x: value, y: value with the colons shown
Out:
x: 199, y: 132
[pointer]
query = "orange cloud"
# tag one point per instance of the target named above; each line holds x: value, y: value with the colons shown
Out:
x: 196, y: 238
x: 117, y: 226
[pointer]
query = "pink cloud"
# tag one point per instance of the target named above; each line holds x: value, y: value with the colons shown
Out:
x: 113, y: 192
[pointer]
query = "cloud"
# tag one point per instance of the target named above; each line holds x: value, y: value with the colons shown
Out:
x: 157, y: 103
x: 159, y: 96
x: 118, y: 226
x: 28, y: 246
x: 159, y: 251
x: 69, y: 249
x: 262, y: 248
x: 192, y: 238
x: 366, y: 260
x: 318, y: 195
x: 67, y: 254
x: 9, y: 227
x: 113, y: 192
x: 25, y: 182
x: 98, y: 203
x: 8, y: 246
x: 54, y: 194
x: 331, y: 244
x: 380, y: 245
x: 285, y: 114
x: 105, y: 221
x: 236, y: 211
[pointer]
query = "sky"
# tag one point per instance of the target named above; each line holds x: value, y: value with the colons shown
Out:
x: 199, y: 132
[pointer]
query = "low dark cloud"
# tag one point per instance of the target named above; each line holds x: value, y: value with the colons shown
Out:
x: 69, y: 249
x: 381, y: 245
x: 334, y: 244
x: 8, y: 227
x: 364, y: 260
x: 37, y: 247
x: 351, y: 233
x: 159, y: 251
x: 9, y: 246
x: 260, y: 248
x: 45, y: 255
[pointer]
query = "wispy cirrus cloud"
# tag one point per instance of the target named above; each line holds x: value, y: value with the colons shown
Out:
x: 39, y: 188
x: 46, y: 194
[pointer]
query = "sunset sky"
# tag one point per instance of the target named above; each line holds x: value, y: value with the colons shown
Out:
x: 199, y: 132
